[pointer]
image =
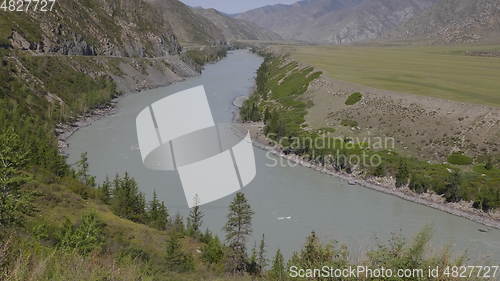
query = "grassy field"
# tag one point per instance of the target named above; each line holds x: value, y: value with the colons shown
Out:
x: 443, y: 72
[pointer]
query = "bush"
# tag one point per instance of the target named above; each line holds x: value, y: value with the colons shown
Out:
x: 353, y: 99
x: 86, y: 237
x: 349, y: 123
x: 458, y: 158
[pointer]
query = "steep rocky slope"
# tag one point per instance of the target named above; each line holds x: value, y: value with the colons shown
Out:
x: 336, y: 21
x: 454, y: 21
x: 234, y: 29
x: 97, y: 27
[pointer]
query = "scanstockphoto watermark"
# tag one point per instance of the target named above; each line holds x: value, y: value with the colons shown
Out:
x: 464, y: 272
x: 341, y: 152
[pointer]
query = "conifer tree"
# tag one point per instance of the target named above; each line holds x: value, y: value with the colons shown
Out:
x: 261, y: 257
x: 157, y: 213
x: 238, y: 228
x: 83, y: 170
x: 176, y: 259
x: 252, y: 266
x: 278, y: 271
x: 195, y: 218
x: 105, y: 191
x: 178, y: 224
x: 212, y: 252
x: 14, y: 157
x: 127, y: 201
x: 403, y: 174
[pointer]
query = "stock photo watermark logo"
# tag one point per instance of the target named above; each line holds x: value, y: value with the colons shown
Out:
x: 338, y: 151
x: 178, y: 133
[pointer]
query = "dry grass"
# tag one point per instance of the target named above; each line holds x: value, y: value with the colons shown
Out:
x: 442, y: 72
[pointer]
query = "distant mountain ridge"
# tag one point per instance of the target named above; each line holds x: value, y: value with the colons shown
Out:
x: 336, y: 21
x: 348, y: 21
x: 235, y: 29
x: 454, y: 21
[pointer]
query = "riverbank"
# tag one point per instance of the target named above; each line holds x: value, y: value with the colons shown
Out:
x: 127, y: 84
x: 64, y: 131
x: 385, y: 185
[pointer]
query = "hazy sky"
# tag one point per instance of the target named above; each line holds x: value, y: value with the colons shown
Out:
x: 234, y: 6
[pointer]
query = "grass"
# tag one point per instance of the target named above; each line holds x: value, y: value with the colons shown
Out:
x: 458, y: 158
x: 353, y: 99
x: 442, y: 72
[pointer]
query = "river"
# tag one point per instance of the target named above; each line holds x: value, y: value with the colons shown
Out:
x: 328, y: 205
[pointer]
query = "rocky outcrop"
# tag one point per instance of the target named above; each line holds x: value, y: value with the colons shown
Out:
x: 107, y: 28
x: 454, y: 21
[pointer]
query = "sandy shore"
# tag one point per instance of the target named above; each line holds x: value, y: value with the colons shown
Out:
x: 385, y: 185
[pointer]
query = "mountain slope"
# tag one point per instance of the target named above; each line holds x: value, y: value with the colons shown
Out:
x: 236, y: 29
x: 187, y: 26
x: 454, y: 21
x: 112, y: 28
x: 336, y: 21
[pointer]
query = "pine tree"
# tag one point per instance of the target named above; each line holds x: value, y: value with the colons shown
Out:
x: 83, y: 170
x: 163, y: 217
x: 195, y: 218
x: 261, y: 258
x: 105, y: 191
x: 238, y: 228
x: 403, y: 174
x: 252, y: 266
x: 278, y: 271
x: 157, y: 213
x: 178, y: 224
x: 14, y: 157
x: 176, y: 259
x: 212, y: 252
x: 127, y: 201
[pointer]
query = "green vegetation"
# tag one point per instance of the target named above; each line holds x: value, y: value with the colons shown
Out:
x: 279, y: 102
x: 458, y: 158
x: 442, y: 72
x: 403, y: 174
x: 205, y: 55
x: 238, y: 228
x: 349, y: 123
x: 353, y: 99
x: 280, y: 85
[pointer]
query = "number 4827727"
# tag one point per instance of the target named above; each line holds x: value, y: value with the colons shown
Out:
x: 27, y: 5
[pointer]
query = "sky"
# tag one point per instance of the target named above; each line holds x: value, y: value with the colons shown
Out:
x: 234, y: 6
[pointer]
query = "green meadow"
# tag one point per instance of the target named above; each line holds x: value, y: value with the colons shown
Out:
x: 443, y: 72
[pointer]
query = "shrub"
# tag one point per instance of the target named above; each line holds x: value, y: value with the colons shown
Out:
x: 458, y: 158
x: 85, y: 237
x: 349, y: 123
x: 353, y: 98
